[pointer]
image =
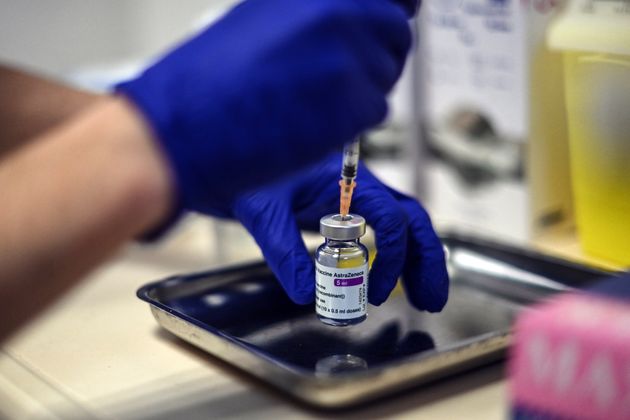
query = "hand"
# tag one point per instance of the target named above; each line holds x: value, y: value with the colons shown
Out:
x: 405, y: 240
x: 228, y: 105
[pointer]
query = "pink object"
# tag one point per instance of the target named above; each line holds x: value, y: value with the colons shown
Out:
x: 571, y: 358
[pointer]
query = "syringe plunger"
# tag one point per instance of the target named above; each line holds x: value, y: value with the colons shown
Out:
x: 350, y: 160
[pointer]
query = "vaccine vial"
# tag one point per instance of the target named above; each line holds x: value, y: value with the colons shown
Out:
x: 341, y: 271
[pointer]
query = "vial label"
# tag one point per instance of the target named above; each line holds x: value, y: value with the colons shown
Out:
x: 341, y: 293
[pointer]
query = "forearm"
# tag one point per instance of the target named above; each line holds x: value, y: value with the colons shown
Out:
x: 70, y: 199
x: 30, y: 105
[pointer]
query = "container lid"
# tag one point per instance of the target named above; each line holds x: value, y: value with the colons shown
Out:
x: 592, y: 26
x: 340, y: 228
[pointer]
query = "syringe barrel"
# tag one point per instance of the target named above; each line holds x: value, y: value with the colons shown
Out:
x: 350, y: 161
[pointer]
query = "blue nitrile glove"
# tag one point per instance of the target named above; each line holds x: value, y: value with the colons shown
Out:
x: 405, y: 240
x: 272, y: 86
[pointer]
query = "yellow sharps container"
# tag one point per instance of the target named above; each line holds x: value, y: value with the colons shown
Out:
x: 595, y: 39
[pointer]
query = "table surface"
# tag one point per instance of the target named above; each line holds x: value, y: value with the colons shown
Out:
x: 98, y: 353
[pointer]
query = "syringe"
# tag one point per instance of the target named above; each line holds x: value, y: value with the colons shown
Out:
x: 349, y: 169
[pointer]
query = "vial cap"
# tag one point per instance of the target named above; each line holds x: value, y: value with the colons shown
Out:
x: 342, y: 228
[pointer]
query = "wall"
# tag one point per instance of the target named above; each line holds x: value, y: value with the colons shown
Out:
x: 61, y: 37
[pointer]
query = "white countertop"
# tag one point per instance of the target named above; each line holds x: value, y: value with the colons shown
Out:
x: 99, y: 353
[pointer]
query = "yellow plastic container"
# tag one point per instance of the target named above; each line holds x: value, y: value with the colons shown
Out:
x: 595, y: 39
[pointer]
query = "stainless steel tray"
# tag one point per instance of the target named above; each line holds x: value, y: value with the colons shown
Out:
x: 241, y: 315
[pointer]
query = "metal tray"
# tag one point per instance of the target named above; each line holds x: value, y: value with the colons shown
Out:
x: 241, y: 315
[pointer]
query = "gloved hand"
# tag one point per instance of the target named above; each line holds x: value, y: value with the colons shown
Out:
x: 272, y: 86
x: 405, y: 240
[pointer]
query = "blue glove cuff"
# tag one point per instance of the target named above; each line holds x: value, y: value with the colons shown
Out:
x: 153, y: 114
x: 150, y: 103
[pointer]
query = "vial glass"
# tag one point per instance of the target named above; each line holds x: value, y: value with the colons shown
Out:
x: 341, y: 271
